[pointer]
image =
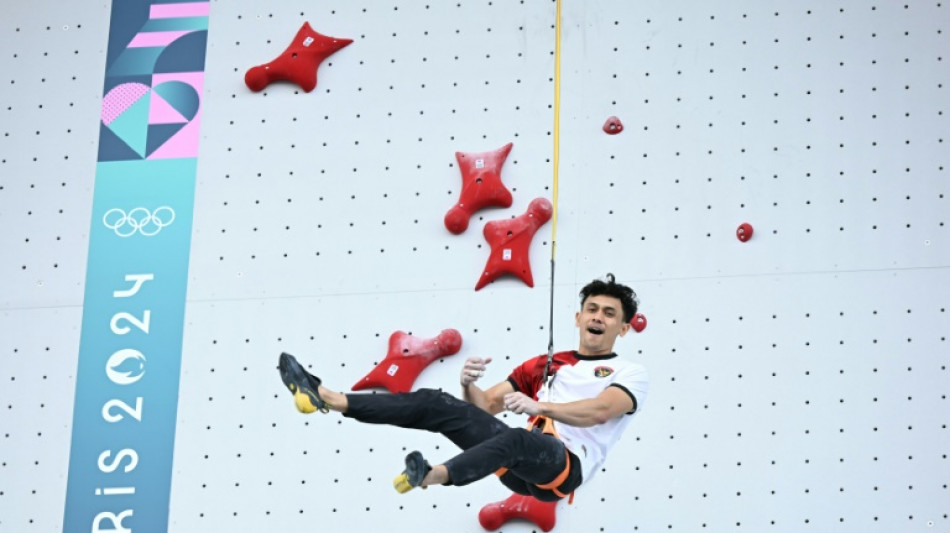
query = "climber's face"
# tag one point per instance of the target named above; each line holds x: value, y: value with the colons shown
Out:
x: 600, y: 322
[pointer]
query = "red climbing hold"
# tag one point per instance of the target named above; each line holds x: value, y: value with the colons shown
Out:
x: 481, y: 186
x: 639, y: 322
x: 613, y: 126
x: 298, y: 63
x: 494, y: 515
x: 744, y: 231
x: 510, y: 239
x: 407, y: 358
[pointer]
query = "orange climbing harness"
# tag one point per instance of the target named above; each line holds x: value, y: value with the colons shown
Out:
x: 546, y: 426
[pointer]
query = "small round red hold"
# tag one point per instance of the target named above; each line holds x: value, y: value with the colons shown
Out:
x: 613, y: 126
x: 744, y: 231
x: 639, y: 322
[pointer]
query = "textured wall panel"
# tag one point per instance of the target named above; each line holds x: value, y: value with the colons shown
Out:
x: 799, y: 379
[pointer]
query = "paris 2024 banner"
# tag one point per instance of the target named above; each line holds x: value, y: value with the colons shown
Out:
x: 126, y: 403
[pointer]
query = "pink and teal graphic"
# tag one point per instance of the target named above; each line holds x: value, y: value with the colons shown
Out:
x: 155, y: 122
x: 150, y: 108
x: 126, y: 402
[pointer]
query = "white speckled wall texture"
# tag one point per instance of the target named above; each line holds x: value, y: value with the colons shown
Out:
x: 799, y: 379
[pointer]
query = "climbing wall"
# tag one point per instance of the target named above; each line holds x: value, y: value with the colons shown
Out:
x: 799, y: 379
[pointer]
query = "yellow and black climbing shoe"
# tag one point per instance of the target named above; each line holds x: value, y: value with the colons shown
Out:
x: 302, y: 384
x: 416, y: 469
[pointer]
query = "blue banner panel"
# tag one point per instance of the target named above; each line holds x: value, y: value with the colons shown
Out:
x: 126, y: 405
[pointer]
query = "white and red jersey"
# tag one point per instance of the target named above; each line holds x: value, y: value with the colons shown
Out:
x: 580, y: 377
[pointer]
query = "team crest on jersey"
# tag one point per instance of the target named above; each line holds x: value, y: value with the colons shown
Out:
x: 603, y: 371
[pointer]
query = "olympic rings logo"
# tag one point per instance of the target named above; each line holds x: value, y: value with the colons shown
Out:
x: 139, y: 220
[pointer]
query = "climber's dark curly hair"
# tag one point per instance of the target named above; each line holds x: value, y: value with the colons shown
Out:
x: 628, y: 298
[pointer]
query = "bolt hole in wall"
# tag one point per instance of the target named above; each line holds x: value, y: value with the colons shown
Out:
x: 319, y: 230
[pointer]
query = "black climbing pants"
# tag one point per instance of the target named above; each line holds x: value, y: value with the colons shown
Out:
x: 488, y: 444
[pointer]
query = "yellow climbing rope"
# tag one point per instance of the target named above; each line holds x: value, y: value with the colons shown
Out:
x: 557, y: 124
x: 557, y: 161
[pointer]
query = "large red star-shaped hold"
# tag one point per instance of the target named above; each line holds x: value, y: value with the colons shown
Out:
x: 494, y: 515
x: 406, y: 359
x: 481, y: 186
x: 298, y: 63
x: 510, y: 240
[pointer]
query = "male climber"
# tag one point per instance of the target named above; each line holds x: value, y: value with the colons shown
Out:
x: 574, y: 420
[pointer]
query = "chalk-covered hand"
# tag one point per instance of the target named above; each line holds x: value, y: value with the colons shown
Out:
x: 473, y: 369
x: 519, y: 403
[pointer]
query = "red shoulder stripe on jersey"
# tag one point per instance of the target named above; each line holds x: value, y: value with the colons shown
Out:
x: 527, y: 378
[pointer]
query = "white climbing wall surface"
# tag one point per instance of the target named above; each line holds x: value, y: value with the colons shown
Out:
x: 799, y: 380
